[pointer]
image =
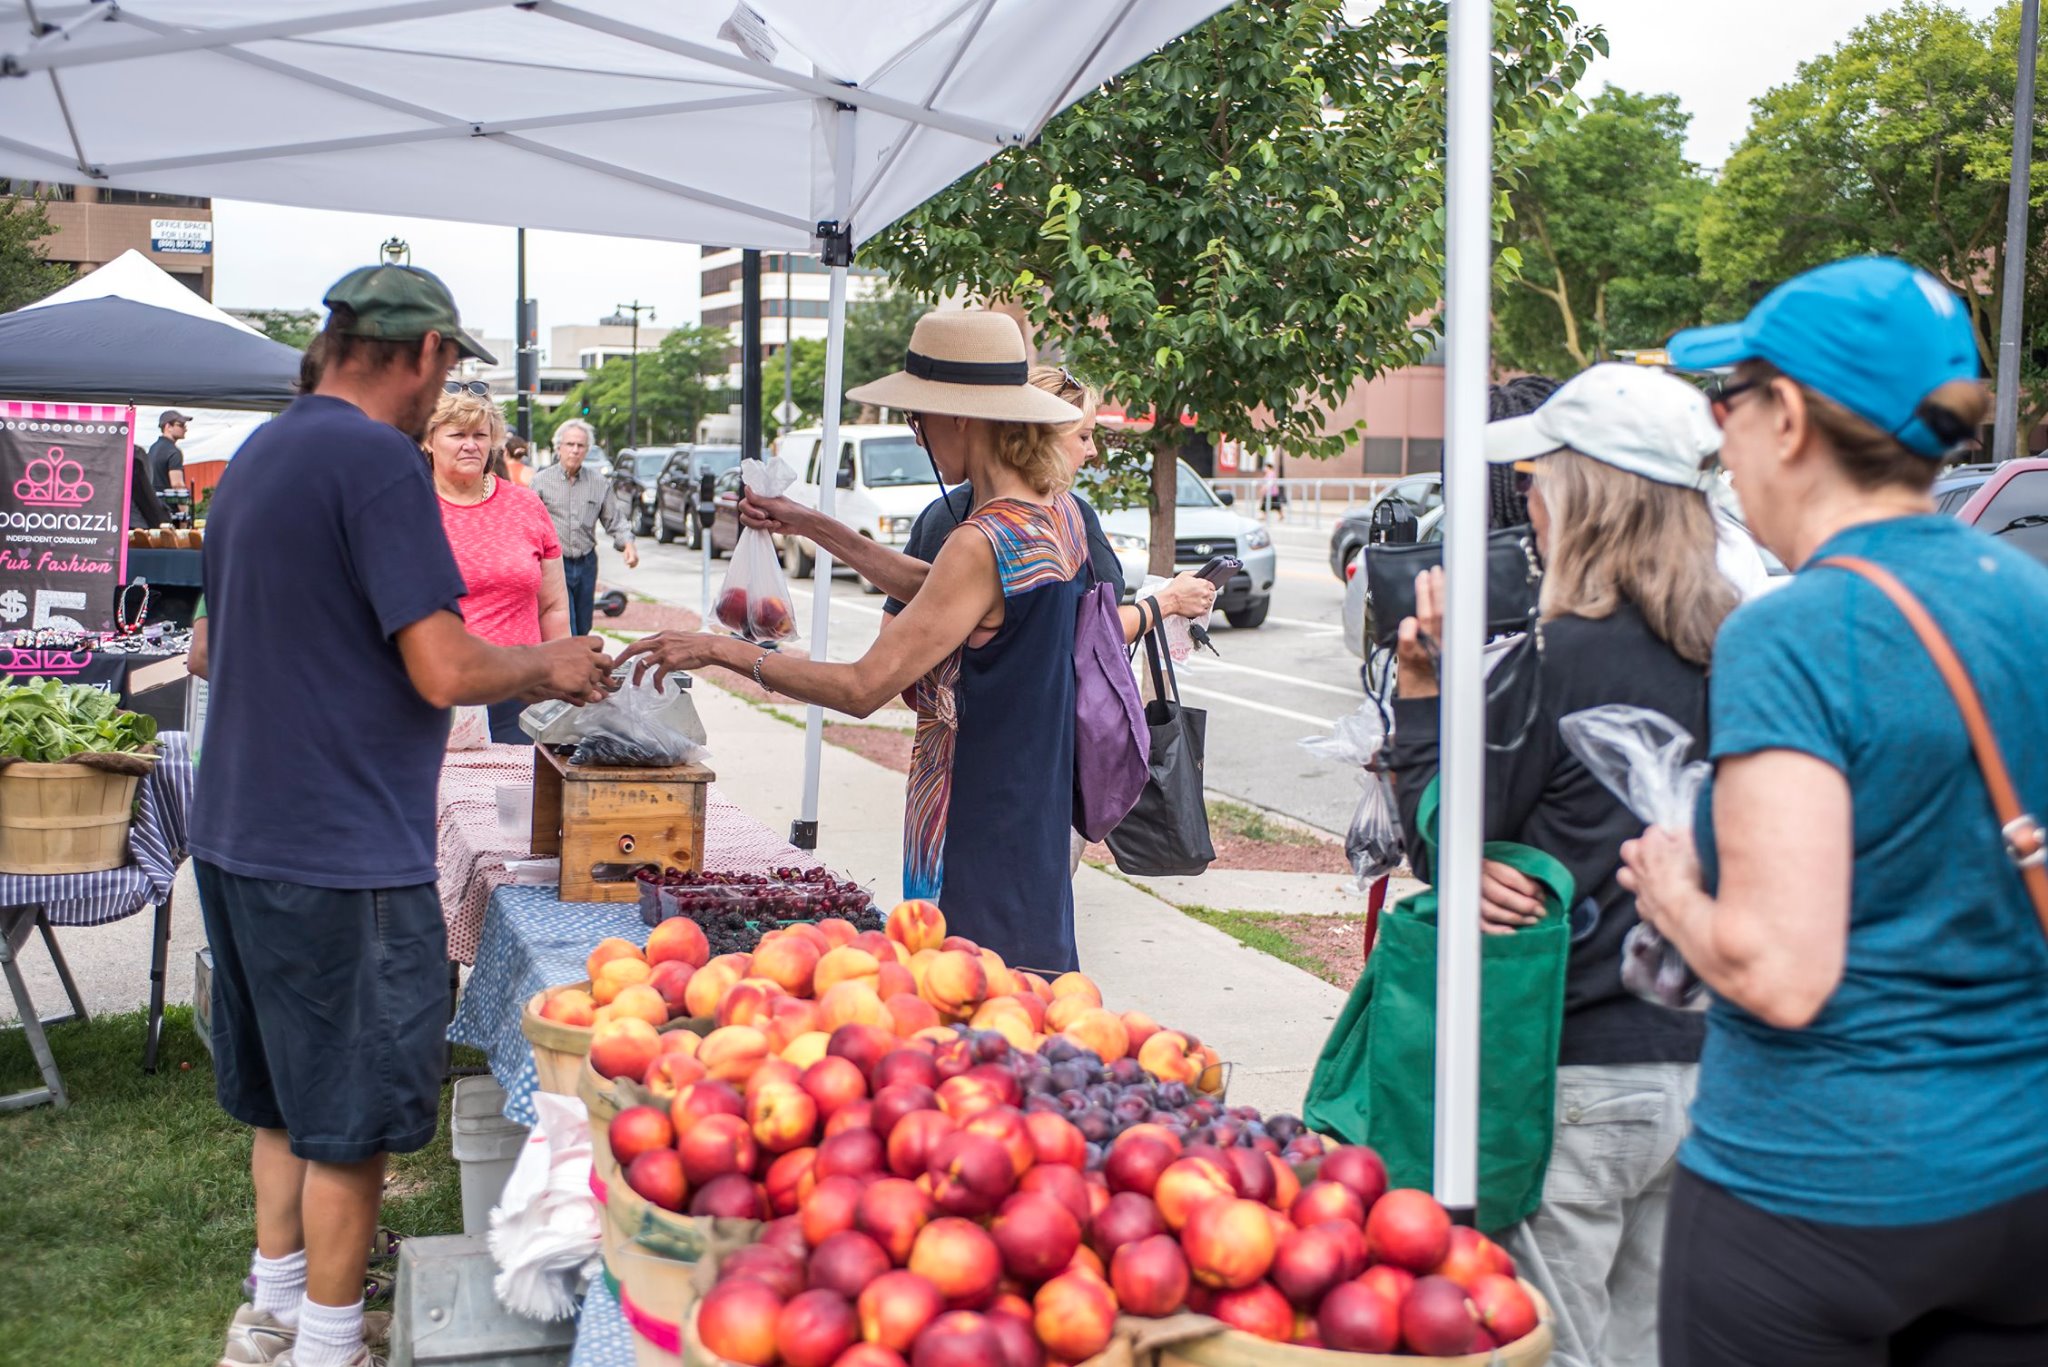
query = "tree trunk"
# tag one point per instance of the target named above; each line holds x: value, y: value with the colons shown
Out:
x: 1165, y: 442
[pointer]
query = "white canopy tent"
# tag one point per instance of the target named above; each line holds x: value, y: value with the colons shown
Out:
x: 790, y: 125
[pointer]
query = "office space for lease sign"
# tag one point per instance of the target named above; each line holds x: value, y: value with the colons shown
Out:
x: 64, y: 470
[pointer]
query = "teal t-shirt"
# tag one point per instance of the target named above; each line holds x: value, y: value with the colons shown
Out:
x: 1920, y: 1092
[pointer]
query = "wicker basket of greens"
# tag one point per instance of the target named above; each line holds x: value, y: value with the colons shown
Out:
x: 70, y: 762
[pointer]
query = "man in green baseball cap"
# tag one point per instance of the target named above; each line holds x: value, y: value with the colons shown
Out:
x: 381, y: 316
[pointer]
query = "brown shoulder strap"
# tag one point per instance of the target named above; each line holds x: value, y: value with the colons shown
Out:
x: 2025, y: 841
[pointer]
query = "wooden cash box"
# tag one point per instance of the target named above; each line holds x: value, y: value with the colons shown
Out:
x: 608, y: 823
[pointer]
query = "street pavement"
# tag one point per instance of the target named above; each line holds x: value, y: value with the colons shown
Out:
x: 1271, y: 686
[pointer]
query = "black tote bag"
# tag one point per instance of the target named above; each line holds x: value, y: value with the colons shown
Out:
x: 1167, y: 833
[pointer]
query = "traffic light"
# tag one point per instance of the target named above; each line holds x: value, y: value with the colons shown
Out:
x: 586, y: 408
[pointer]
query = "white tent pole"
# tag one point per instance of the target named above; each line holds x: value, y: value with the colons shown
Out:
x: 804, y: 832
x: 1468, y: 192
x: 191, y: 40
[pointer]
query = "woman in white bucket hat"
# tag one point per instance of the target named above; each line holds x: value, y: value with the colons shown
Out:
x: 985, y: 649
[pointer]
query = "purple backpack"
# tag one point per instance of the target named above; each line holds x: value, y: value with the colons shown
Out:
x: 1111, y: 744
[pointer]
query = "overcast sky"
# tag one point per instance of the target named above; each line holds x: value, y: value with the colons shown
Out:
x: 1715, y: 58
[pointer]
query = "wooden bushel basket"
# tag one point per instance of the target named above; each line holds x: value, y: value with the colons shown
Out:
x: 64, y: 818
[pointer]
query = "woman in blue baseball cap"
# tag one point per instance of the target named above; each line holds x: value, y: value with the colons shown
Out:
x: 1867, y: 1176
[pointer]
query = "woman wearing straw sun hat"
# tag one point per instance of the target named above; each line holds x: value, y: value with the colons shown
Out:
x: 986, y: 646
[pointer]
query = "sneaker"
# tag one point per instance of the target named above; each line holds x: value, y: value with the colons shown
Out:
x: 363, y: 1358
x: 255, y: 1337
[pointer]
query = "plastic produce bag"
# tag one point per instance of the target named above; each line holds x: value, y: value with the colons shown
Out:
x: 1179, y: 643
x: 546, y: 1228
x: 628, y: 731
x: 754, y: 601
x: 1373, y: 844
x: 1641, y: 756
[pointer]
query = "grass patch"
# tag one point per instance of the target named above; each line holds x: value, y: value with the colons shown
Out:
x: 129, y: 1217
x: 1249, y: 823
x: 1255, y: 929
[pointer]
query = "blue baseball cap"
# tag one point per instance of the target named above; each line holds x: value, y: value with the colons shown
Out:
x: 1872, y: 333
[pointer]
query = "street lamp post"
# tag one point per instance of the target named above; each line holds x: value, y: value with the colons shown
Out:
x: 2007, y: 440
x: 630, y: 313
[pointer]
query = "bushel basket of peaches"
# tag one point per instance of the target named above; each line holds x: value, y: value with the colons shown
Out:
x: 954, y: 1163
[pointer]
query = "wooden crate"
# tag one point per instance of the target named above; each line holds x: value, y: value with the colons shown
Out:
x: 606, y: 823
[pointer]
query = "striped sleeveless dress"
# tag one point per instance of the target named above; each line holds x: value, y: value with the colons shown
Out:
x: 991, y: 788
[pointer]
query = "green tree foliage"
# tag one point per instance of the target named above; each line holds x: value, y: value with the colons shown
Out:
x: 26, y: 273
x: 1898, y: 141
x: 1248, y: 222
x: 681, y: 381
x: 877, y: 335
x: 293, y: 327
x: 1605, y: 216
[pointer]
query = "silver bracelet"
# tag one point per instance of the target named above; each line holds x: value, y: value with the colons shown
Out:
x: 758, y: 661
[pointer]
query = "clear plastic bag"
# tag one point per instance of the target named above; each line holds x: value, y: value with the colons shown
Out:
x: 1373, y: 844
x: 1179, y: 643
x: 1641, y: 756
x: 754, y: 600
x: 627, y: 730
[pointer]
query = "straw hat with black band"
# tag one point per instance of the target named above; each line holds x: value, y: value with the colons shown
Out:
x: 967, y: 363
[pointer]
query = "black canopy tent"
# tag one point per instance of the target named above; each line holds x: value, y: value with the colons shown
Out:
x: 114, y: 350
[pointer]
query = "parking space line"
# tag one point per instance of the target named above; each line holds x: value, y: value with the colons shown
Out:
x: 1268, y: 708
x: 1202, y: 666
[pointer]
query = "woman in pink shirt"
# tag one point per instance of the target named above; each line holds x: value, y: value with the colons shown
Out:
x: 503, y: 539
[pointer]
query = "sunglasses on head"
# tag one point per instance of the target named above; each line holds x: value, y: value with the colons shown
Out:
x: 476, y: 387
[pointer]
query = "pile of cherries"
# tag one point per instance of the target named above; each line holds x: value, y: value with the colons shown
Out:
x: 734, y: 908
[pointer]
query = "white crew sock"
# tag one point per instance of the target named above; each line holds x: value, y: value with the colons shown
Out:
x: 329, y: 1335
x: 280, y: 1286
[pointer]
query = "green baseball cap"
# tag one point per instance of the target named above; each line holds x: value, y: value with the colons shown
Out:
x: 402, y: 304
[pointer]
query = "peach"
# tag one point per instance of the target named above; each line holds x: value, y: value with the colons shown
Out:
x: 1055, y: 1140
x: 1229, y: 1243
x: 615, y: 976
x: 626, y: 1047
x: 750, y: 1001
x: 715, y: 1146
x: 897, y: 1100
x: 1077, y: 985
x: 1126, y: 1219
x: 732, y: 1196
x: 731, y: 1054
x: 607, y: 950
x: 1259, y: 1310
x: 854, y: 1115
x: 1171, y: 1138
x: 1286, y: 1186
x: 1214, y: 1075
x: 740, y: 964
x: 1100, y: 1031
x: 891, y: 1211
x: 829, y: 1208
x: 1168, y: 1056
x: 1469, y: 1258
x: 884, y: 949
x: 737, y: 1321
x: 1408, y: 1229
x: 1065, y: 1185
x: 955, y: 983
x: 1320, y: 1201
x: 1357, y: 1167
x: 782, y: 1117
x: 1005, y: 1125
x: 856, y: 1153
x: 641, y: 1002
x: 789, y: 1018
x: 1016, y: 1344
x: 1040, y: 988
x: 785, y: 1181
x: 1310, y: 1261
x: 834, y: 1082
x: 809, y: 931
x: 854, y: 1002
x: 1188, y: 1184
x: 638, y: 1129
x: 864, y: 1045
x: 1011, y: 1023
x: 1136, y: 1162
x: 1436, y: 1317
x: 806, y: 1049
x: 814, y: 1328
x: 1074, y: 1315
x: 895, y: 1307
x: 1150, y: 1276
x: 788, y: 961
x: 1062, y: 1012
x: 670, y: 1073
x: 910, y: 1013
x: 964, y: 1097
x: 1089, y: 1261
x: 568, y: 1006
x: 1001, y: 982
x: 958, y: 1338
x: 846, y: 964
x: 706, y: 1097
x: 671, y: 978
x: 1032, y: 1006
x: 960, y: 1259
x: 1036, y: 1235
x: 658, y: 1176
x: 678, y: 940
x: 1354, y: 1318
x: 1254, y: 1174
x: 870, y: 1355
x: 970, y: 1174
x: 707, y: 987
x: 1140, y: 1027
x: 771, y: 1072
x: 917, y: 925
x: 1504, y: 1307
x: 837, y: 931
x: 683, y: 1042
x: 1394, y: 1283
x: 912, y: 1139
x: 846, y: 1262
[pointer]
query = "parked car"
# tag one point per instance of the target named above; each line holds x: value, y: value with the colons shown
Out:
x: 642, y: 466
x: 725, y: 513
x: 1953, y: 489
x: 1423, y: 493
x: 1204, y: 527
x: 883, y: 480
x: 2012, y: 504
x: 675, y: 490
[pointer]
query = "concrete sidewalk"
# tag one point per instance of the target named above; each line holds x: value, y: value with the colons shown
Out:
x: 1266, y: 1016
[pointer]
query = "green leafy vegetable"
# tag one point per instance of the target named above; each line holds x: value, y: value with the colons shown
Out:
x: 45, y: 722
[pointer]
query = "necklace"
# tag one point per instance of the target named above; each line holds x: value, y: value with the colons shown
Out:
x: 121, y: 619
x: 490, y: 485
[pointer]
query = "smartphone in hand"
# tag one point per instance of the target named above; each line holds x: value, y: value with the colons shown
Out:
x: 1219, y: 569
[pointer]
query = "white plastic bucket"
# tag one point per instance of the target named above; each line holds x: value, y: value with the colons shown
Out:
x: 486, y: 1147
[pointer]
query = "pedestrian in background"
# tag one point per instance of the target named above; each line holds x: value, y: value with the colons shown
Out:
x: 580, y: 502
x: 166, y: 460
x: 1866, y: 1180
x: 1612, y: 466
x: 334, y: 653
x: 518, y: 461
x: 503, y: 539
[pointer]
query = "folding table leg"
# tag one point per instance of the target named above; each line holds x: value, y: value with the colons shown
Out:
x: 63, y: 968
x: 159, y: 967
x: 52, y: 1090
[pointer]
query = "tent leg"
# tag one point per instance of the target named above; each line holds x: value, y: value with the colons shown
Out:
x: 1468, y: 279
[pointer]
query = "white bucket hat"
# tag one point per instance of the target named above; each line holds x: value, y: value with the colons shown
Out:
x: 1636, y: 418
x: 967, y: 363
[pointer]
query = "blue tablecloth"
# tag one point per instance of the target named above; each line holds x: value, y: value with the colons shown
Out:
x: 531, y: 940
x: 603, y: 1338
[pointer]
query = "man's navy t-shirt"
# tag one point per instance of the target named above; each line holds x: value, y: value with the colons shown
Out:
x: 322, y: 759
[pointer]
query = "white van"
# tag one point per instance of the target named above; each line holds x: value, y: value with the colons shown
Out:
x: 884, y: 482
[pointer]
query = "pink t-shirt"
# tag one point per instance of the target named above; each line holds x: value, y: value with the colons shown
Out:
x: 499, y: 545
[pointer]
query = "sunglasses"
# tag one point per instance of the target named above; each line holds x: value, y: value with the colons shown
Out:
x: 1723, y: 392
x: 476, y: 387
